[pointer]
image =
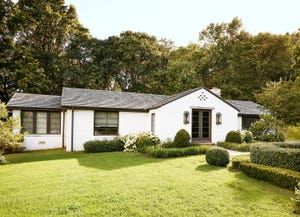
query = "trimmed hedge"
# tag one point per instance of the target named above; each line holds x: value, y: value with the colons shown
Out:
x: 236, y: 161
x: 287, y: 145
x: 234, y: 137
x: 277, y: 176
x: 273, y: 155
x: 95, y: 146
x: 217, y: 156
x: 167, y: 144
x: 175, y: 152
x: 244, y: 147
x: 182, y: 139
x: 247, y: 135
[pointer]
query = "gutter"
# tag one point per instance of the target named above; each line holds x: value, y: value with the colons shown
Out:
x: 72, y: 130
x: 63, y: 128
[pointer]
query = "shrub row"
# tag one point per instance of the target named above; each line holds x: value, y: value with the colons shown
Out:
x: 175, y: 152
x: 277, y: 176
x: 239, y: 136
x: 287, y: 145
x: 244, y: 147
x: 95, y: 146
x: 236, y: 161
x: 272, y: 155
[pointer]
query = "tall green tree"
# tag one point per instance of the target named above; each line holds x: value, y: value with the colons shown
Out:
x: 282, y: 99
x: 7, y: 49
x: 139, y: 56
x: 181, y: 72
x: 241, y: 63
x: 47, y: 28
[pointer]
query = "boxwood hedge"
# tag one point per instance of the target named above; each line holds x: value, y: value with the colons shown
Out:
x: 277, y: 176
x: 276, y: 156
x: 94, y: 146
x: 175, y: 152
x: 243, y: 147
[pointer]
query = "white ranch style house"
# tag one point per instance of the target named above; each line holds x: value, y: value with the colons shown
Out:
x: 79, y: 115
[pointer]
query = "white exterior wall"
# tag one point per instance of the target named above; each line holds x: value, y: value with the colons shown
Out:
x: 129, y: 122
x: 240, y: 123
x: 41, y: 141
x: 169, y: 118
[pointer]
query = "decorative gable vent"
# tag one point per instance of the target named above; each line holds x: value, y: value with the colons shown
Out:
x: 202, y: 97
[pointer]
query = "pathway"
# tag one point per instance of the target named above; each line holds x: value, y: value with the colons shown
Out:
x: 236, y: 153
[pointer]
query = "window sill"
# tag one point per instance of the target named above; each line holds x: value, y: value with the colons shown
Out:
x: 42, y: 135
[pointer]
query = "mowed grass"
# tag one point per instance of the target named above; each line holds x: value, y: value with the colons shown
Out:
x: 55, y: 183
x: 294, y: 133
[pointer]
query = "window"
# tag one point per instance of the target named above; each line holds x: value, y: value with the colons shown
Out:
x: 106, y: 123
x: 152, y: 122
x: 41, y: 122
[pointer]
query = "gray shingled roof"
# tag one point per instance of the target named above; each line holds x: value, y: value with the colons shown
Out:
x: 248, y: 107
x: 174, y: 97
x: 171, y: 98
x: 87, y: 98
x: 37, y: 101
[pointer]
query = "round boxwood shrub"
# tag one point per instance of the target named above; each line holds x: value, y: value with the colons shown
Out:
x: 182, y: 139
x: 234, y: 136
x: 217, y: 156
x: 248, y: 136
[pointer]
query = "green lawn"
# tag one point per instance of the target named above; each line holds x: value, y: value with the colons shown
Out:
x: 55, y: 183
x: 294, y: 133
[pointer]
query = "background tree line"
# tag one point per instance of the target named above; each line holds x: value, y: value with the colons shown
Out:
x: 43, y: 47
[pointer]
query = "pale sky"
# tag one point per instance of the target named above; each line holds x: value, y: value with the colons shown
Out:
x: 182, y: 20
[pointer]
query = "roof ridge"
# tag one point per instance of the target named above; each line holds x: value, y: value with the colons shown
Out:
x: 38, y: 94
x: 114, y: 91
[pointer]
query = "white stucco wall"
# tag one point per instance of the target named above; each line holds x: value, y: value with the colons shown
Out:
x: 129, y: 122
x: 41, y: 141
x: 169, y: 118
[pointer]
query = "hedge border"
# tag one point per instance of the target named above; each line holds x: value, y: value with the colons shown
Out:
x: 98, y: 146
x: 271, y: 154
x: 242, y: 147
x: 175, y: 152
x: 277, y: 176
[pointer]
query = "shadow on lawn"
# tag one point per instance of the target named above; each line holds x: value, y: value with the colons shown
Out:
x: 104, y: 161
x: 116, y: 160
x: 208, y: 168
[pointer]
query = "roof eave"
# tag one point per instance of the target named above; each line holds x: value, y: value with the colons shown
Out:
x: 103, y: 108
x: 33, y: 108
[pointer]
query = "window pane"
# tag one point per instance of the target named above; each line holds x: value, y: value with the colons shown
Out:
x: 100, y: 119
x: 54, y: 123
x: 112, y: 119
x: 27, y: 122
x: 106, y: 123
x: 41, y: 122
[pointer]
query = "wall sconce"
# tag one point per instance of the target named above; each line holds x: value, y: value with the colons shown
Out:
x: 218, y: 118
x: 186, y: 117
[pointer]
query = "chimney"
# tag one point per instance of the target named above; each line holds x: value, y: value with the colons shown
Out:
x: 216, y: 91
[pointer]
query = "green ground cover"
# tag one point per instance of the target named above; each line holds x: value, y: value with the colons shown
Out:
x: 55, y: 183
x: 294, y: 133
